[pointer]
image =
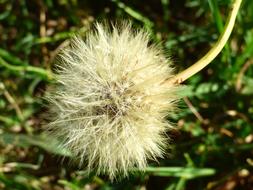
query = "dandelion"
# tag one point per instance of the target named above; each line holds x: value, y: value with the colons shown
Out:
x: 113, y: 94
x: 110, y: 103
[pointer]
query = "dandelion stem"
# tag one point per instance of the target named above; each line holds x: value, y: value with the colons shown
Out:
x: 213, y: 52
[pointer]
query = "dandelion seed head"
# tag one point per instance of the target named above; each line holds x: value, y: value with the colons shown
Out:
x: 110, y: 103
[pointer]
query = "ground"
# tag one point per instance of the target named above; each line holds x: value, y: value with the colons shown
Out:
x: 212, y: 147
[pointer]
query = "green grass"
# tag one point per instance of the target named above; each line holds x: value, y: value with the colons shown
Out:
x: 213, y: 147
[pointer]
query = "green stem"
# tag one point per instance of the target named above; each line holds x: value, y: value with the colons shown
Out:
x: 213, y: 52
x: 41, y: 72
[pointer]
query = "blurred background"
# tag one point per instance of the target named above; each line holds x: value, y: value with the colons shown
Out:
x: 213, y: 146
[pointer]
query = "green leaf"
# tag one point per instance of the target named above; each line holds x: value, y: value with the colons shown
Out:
x: 46, y: 143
